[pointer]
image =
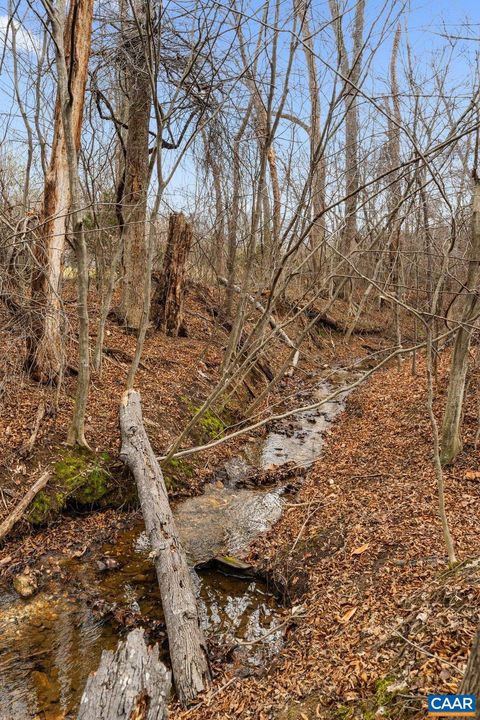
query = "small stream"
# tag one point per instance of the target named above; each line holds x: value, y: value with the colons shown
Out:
x: 50, y: 643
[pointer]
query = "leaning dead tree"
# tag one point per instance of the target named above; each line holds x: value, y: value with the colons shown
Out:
x: 44, y: 343
x: 131, y: 682
x: 187, y: 647
x: 167, y: 303
x: 271, y: 321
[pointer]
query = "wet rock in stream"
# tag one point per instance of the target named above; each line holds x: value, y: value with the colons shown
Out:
x: 25, y: 585
x: 237, y: 471
x: 223, y: 521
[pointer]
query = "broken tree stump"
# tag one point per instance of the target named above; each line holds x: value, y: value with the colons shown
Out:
x: 187, y: 647
x: 131, y: 682
x: 168, y: 298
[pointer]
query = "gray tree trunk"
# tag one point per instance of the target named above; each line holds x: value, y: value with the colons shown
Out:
x: 131, y: 682
x: 351, y: 69
x: 188, y: 652
x: 451, y: 443
x: 317, y: 162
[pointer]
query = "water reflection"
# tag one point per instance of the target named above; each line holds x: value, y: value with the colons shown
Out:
x: 49, y: 645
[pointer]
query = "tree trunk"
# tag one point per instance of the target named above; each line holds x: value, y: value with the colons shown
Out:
x: 188, y: 652
x: 130, y: 683
x: 471, y: 680
x: 351, y: 71
x: 317, y: 162
x: 71, y: 136
x: 394, y: 124
x: 134, y: 202
x: 212, y: 160
x: 167, y: 304
x: 44, y: 344
x: 451, y: 430
x: 235, y: 209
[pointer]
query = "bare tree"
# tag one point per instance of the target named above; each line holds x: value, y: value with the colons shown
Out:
x: 68, y: 57
x: 317, y: 161
x: 351, y: 70
x: 451, y: 443
x: 44, y: 343
x: 137, y: 171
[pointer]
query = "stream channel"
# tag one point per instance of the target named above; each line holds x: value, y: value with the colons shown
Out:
x: 50, y: 643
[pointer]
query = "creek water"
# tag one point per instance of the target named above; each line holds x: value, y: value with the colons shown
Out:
x: 50, y: 643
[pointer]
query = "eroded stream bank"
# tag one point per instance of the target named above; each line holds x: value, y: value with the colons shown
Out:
x: 49, y: 644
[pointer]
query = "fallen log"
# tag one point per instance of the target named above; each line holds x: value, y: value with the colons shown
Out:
x: 131, y: 682
x: 20, y: 509
x: 187, y: 647
x: 272, y: 322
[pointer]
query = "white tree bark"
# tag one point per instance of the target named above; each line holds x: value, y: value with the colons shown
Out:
x: 131, y: 682
x: 188, y: 652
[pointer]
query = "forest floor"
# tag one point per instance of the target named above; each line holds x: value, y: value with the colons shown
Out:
x: 174, y: 377
x: 380, y: 619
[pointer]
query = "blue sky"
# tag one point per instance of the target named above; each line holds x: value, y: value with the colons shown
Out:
x: 426, y: 21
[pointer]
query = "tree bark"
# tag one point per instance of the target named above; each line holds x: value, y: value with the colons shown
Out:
x: 130, y: 683
x: 213, y: 162
x: 471, y: 680
x: 394, y: 123
x: 317, y: 161
x: 167, y: 304
x: 44, y: 344
x: 22, y: 506
x: 188, y: 652
x: 351, y: 71
x: 134, y: 202
x: 451, y: 430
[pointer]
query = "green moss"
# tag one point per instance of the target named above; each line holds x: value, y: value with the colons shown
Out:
x: 382, y: 699
x: 344, y: 712
x: 210, y: 426
x: 82, y: 476
x: 40, y: 508
x: 176, y: 473
x: 79, y: 478
x: 382, y: 696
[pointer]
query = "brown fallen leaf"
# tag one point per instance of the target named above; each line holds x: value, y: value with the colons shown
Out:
x: 348, y: 615
x: 361, y: 549
x: 472, y: 475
